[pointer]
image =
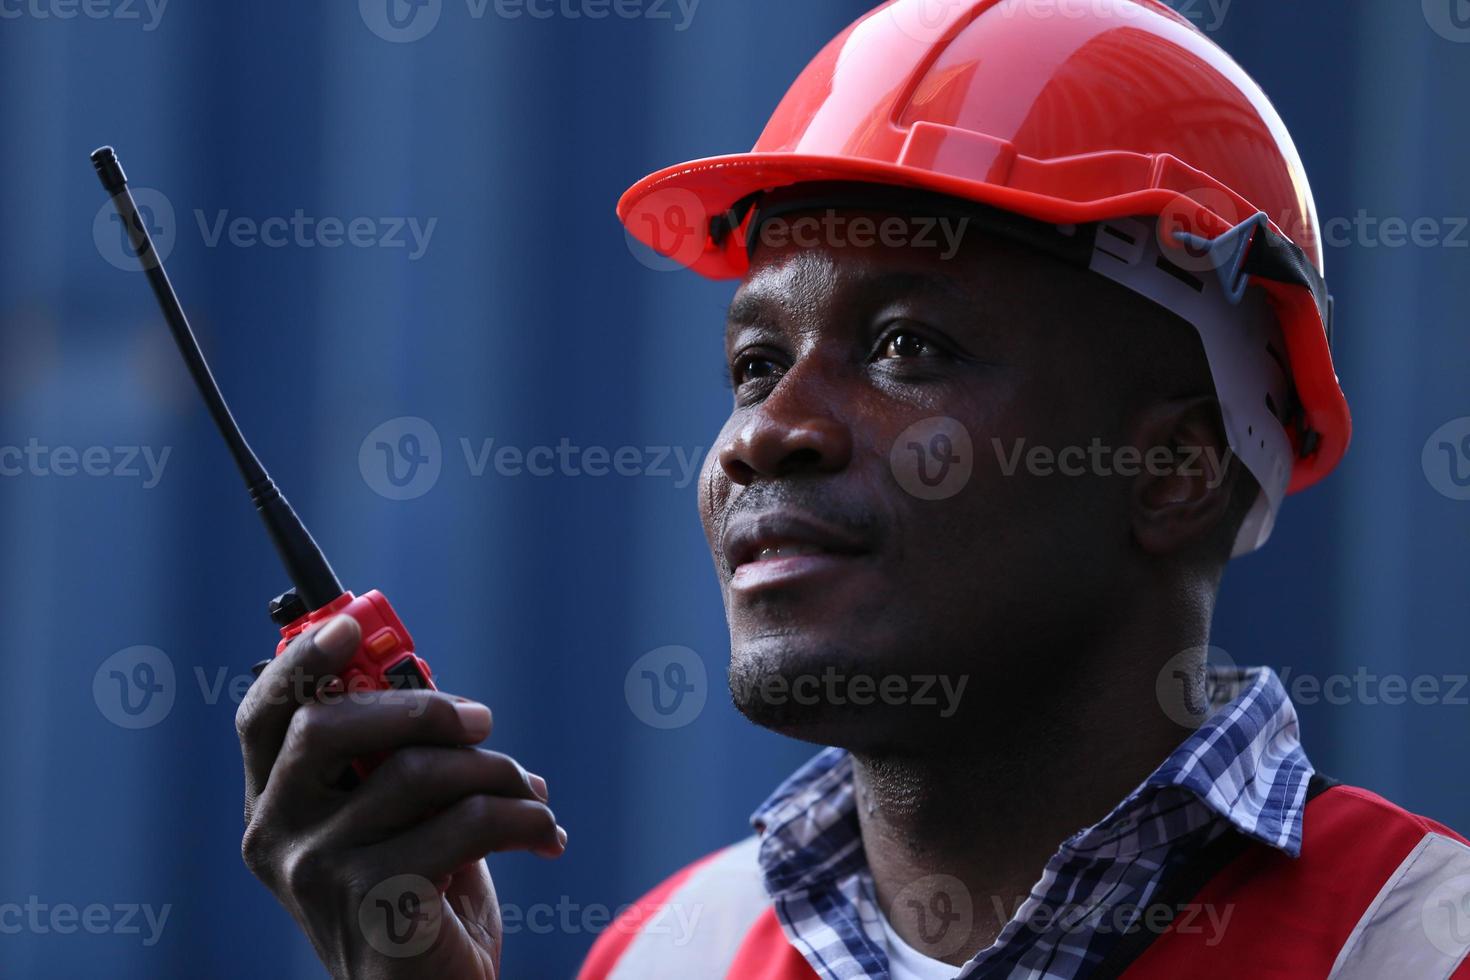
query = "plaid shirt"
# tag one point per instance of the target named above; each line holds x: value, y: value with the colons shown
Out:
x: 1243, y: 770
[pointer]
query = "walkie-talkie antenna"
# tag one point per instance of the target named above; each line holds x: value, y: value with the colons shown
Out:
x: 307, y: 567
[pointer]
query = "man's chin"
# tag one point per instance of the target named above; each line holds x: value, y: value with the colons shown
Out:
x: 829, y: 695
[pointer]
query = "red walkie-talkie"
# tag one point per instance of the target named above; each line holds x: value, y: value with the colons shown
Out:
x: 385, y: 659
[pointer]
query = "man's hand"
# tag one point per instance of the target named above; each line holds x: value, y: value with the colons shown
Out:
x: 387, y: 879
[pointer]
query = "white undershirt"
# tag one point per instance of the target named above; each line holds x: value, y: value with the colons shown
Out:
x: 907, y: 963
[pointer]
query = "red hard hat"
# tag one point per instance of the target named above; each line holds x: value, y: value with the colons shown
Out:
x: 1064, y: 111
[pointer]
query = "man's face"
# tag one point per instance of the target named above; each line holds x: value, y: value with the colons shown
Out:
x: 861, y: 545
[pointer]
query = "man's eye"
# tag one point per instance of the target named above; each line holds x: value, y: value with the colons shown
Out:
x: 752, y: 367
x: 905, y: 343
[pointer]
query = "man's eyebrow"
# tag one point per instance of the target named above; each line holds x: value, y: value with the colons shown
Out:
x: 746, y: 309
x: 754, y: 306
x: 891, y: 284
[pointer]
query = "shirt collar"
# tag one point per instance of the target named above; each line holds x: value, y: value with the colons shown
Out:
x: 1245, y: 763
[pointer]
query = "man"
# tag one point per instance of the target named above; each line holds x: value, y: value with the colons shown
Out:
x: 1031, y: 338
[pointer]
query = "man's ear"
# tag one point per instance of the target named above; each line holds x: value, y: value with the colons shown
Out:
x: 1187, y: 477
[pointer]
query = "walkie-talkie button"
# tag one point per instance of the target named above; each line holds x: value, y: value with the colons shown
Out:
x: 287, y: 607
x: 405, y: 675
x: 381, y: 643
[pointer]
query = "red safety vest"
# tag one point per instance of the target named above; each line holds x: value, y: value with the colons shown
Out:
x: 1376, y: 893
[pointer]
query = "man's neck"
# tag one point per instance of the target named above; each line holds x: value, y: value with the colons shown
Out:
x: 973, y: 827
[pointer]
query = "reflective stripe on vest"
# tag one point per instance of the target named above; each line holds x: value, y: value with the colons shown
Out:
x: 1377, y: 892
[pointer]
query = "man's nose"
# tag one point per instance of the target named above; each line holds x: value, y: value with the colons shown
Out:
x: 798, y: 427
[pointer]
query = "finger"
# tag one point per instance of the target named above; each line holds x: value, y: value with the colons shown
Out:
x: 466, y: 831
x: 283, y: 686
x: 420, y: 780
x: 324, y: 737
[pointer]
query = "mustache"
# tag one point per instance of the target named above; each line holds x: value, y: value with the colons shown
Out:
x: 812, y: 498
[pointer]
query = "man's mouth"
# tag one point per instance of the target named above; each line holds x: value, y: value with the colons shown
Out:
x: 783, y: 546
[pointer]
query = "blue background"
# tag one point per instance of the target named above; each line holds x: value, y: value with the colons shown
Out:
x: 529, y: 320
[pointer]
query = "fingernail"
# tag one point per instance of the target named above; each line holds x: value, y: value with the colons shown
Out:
x: 338, y: 636
x: 474, y: 719
x: 538, y: 786
x: 561, y: 836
